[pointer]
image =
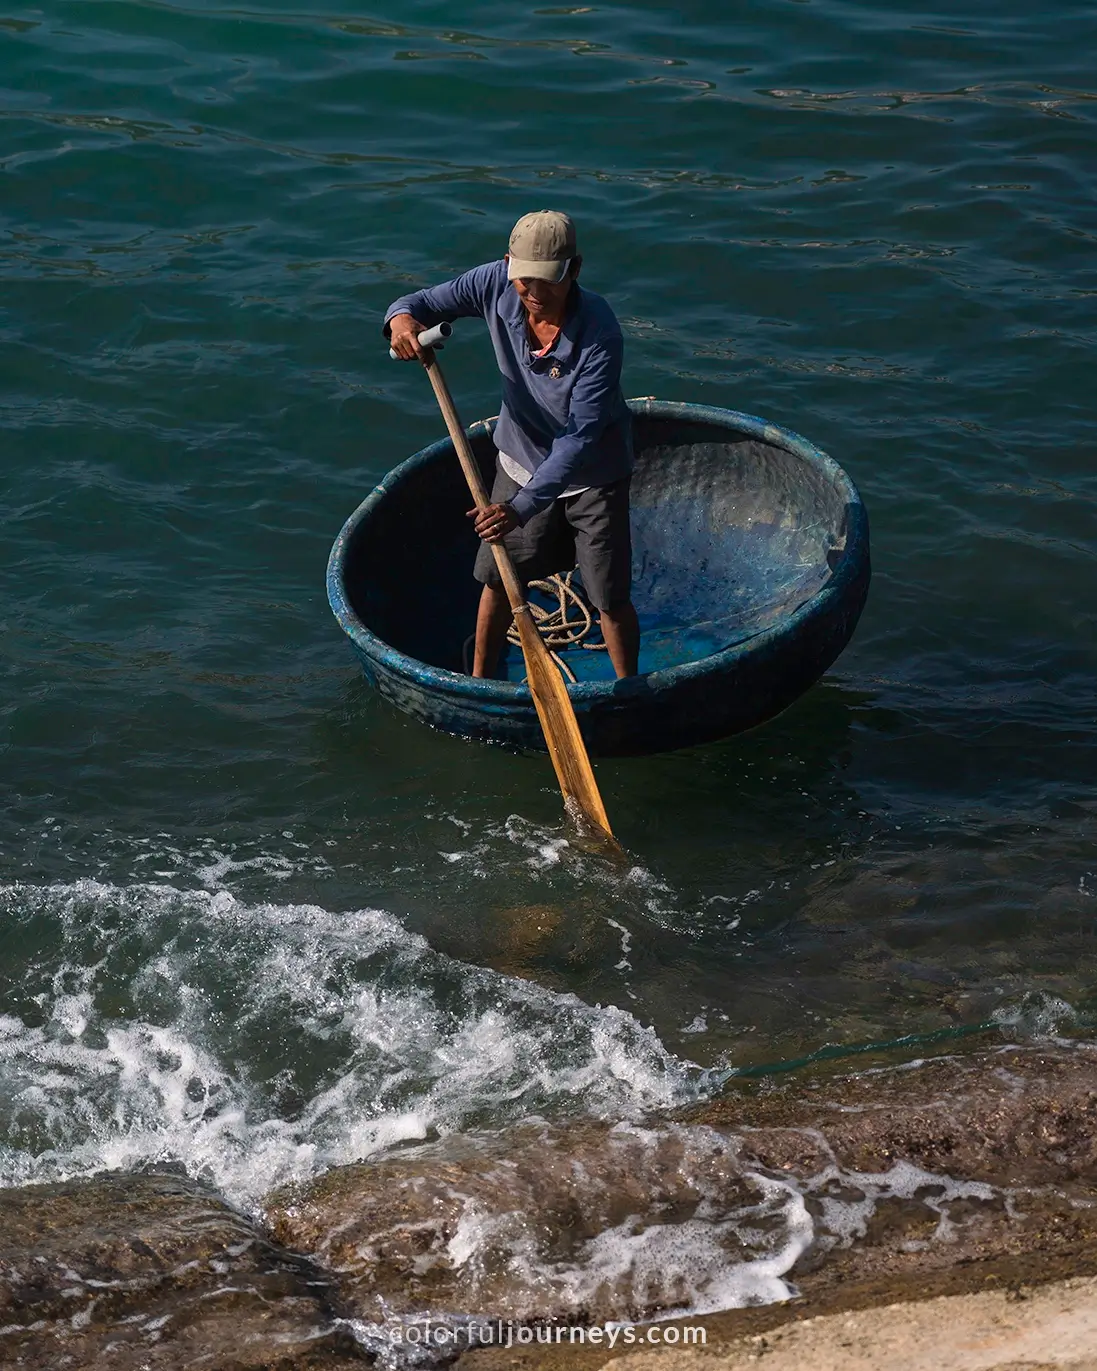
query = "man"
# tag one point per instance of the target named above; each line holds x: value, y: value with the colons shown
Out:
x: 564, y: 435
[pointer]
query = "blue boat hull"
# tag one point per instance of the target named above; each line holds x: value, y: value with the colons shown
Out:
x: 751, y: 568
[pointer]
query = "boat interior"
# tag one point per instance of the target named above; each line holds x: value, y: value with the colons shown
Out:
x: 730, y: 535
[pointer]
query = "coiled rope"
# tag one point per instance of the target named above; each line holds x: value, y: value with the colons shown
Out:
x: 569, y: 624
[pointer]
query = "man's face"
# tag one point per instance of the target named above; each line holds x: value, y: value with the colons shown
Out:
x: 543, y: 299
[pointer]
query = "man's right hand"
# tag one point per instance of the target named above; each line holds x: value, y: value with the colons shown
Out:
x: 404, y: 331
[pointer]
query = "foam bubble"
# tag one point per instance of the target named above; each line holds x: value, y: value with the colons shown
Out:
x: 1036, y: 1016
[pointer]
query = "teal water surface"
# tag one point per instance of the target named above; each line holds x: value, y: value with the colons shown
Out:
x: 253, y: 919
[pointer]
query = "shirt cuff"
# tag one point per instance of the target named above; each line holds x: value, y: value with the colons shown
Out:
x: 522, y: 506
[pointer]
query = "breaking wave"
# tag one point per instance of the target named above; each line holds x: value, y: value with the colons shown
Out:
x: 257, y: 1043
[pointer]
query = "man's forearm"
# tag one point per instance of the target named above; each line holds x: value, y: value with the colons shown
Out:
x: 558, y: 471
x: 465, y: 297
x: 413, y: 305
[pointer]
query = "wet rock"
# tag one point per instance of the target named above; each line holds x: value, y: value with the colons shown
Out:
x: 536, y: 1223
x: 744, y: 1201
x: 1015, y: 1117
x: 152, y: 1273
x: 986, y: 1158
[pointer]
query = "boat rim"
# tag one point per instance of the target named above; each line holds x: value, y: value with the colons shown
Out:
x: 513, y: 692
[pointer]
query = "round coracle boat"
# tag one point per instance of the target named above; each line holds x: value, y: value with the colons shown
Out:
x: 750, y: 570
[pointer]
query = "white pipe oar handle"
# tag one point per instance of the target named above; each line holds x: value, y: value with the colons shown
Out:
x: 430, y: 338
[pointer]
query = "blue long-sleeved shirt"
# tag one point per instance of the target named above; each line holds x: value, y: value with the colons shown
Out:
x: 563, y: 416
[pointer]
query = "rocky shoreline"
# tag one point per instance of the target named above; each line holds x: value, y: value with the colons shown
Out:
x: 822, y: 1194
x: 149, y: 1272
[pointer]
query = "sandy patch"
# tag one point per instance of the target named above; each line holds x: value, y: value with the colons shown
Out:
x: 1022, y: 1330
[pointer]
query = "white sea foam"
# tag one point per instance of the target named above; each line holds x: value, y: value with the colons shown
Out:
x: 719, y: 1259
x: 729, y: 1256
x: 1036, y: 1016
x: 258, y: 1043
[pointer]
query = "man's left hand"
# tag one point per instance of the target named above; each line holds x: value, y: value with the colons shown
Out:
x: 494, y: 522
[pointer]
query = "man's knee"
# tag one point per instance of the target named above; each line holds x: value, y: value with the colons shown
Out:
x: 494, y: 598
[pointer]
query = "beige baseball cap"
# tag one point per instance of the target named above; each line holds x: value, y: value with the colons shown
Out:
x: 542, y: 245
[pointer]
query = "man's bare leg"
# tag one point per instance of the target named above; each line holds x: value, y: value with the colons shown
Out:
x: 621, y: 630
x: 492, y: 621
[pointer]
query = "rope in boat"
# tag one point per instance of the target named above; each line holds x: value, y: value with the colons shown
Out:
x: 569, y: 624
x: 556, y: 626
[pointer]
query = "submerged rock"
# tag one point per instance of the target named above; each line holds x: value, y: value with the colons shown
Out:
x: 592, y: 1222
x: 744, y: 1201
x: 1015, y: 1117
x: 985, y: 1158
x: 152, y: 1273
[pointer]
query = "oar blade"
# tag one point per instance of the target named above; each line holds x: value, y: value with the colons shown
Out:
x: 561, y: 729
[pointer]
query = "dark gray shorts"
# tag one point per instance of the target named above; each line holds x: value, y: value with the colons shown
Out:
x: 590, y: 529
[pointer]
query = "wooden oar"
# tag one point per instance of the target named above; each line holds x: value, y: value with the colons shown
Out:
x: 558, y: 722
